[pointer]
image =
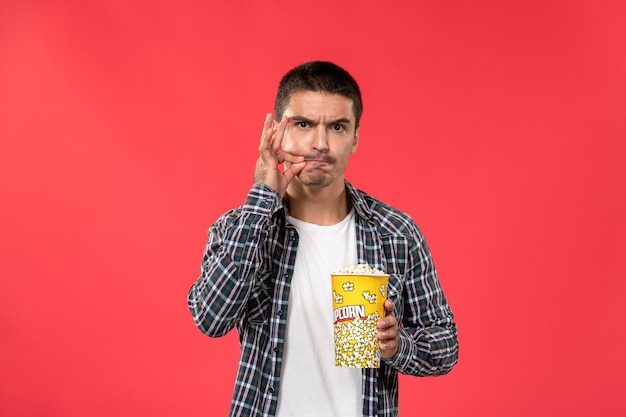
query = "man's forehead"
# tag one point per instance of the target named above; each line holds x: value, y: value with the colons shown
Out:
x: 312, y: 103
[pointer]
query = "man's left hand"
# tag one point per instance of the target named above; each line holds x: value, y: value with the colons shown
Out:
x: 388, y: 335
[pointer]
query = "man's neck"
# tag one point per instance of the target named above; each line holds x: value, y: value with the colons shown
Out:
x: 323, y: 206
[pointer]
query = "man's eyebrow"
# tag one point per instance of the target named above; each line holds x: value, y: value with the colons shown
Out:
x: 299, y: 118
x: 343, y: 120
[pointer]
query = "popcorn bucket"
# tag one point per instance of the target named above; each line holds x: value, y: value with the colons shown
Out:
x: 358, y: 304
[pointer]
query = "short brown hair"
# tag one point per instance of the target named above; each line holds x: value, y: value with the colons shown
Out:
x: 318, y: 76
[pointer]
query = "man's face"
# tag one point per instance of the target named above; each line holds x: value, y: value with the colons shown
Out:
x: 322, y: 129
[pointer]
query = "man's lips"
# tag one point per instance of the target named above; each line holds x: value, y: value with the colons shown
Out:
x: 323, y: 159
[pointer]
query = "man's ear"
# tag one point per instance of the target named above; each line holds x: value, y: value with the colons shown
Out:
x: 355, y: 141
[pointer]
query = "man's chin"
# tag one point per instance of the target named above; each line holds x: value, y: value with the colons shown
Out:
x: 314, y: 179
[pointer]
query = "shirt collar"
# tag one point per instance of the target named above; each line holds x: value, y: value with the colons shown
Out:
x: 357, y: 198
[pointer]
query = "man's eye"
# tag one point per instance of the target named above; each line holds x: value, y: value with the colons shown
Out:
x: 302, y: 124
x: 338, y: 127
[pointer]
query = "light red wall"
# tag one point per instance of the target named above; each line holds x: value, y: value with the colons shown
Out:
x: 126, y: 129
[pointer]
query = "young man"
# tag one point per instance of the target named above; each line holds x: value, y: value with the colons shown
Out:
x: 267, y: 264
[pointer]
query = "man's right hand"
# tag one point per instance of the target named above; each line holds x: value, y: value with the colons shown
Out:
x: 271, y: 156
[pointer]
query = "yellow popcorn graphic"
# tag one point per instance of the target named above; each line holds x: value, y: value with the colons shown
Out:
x: 371, y: 298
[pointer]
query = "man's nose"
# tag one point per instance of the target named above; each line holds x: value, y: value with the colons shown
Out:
x: 320, y: 138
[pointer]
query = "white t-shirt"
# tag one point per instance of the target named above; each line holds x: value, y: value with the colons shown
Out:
x: 310, y: 384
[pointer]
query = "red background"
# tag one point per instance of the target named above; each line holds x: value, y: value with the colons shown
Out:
x: 127, y: 128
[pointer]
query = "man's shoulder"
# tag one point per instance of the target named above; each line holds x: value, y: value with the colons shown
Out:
x: 382, y: 214
x: 261, y: 201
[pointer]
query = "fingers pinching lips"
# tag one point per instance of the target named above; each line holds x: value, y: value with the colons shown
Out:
x: 271, y: 141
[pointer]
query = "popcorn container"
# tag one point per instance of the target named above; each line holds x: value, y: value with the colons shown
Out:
x: 358, y: 303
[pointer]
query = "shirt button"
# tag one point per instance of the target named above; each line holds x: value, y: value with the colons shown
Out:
x: 270, y: 390
x: 276, y: 349
x: 279, y: 313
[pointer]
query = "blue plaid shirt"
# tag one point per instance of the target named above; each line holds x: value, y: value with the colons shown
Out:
x: 245, y: 280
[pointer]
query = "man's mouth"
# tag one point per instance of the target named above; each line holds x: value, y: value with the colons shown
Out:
x: 323, y: 159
